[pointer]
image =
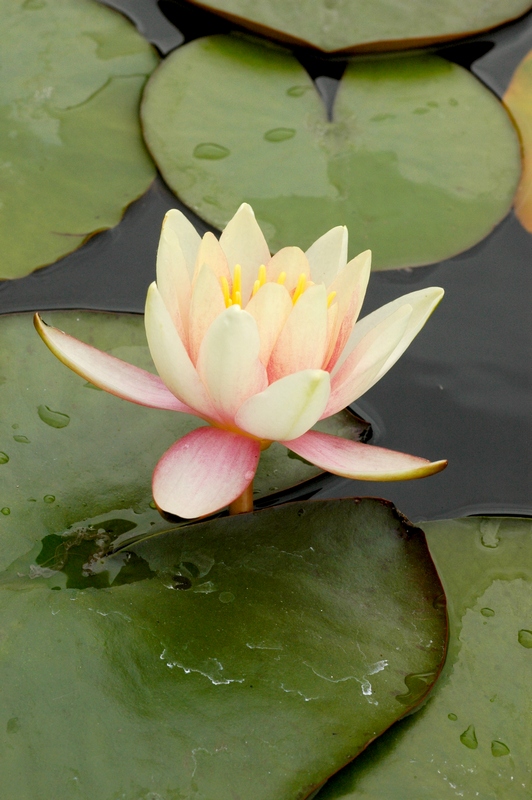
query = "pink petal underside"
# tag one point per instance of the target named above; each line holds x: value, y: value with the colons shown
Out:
x: 204, y: 471
x: 362, y: 369
x: 109, y: 373
x: 173, y: 280
x: 243, y: 243
x: 228, y: 361
x: 270, y: 307
x: 189, y: 238
x: 290, y: 260
x: 211, y: 253
x: 332, y: 332
x: 350, y: 286
x: 303, y: 339
x: 328, y: 255
x: 363, y: 462
x: 206, y: 304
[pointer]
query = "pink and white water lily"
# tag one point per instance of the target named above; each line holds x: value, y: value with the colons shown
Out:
x: 260, y: 347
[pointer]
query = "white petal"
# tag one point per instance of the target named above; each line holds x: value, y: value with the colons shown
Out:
x: 211, y: 253
x: 290, y: 260
x: 328, y: 255
x: 189, y: 238
x: 270, y: 308
x: 287, y: 408
x: 243, y: 243
x: 206, y: 304
x: 350, y: 287
x: 173, y: 280
x: 303, y: 340
x: 229, y: 363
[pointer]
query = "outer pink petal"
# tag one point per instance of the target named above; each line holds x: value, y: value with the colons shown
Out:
x: 228, y: 361
x: 270, y: 308
x: 303, y: 340
x: 206, y: 304
x: 204, y: 471
x: 171, y: 358
x: 328, y: 255
x: 290, y: 260
x: 243, y: 243
x: 211, y: 253
x: 350, y: 286
x: 173, y: 280
x: 189, y: 238
x: 364, y: 462
x: 109, y: 373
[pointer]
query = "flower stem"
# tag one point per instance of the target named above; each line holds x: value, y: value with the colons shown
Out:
x: 244, y: 503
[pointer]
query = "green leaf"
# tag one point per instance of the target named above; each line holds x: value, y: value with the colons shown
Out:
x: 69, y: 452
x: 420, y: 160
x: 70, y: 144
x: 334, y: 25
x: 472, y: 738
x: 244, y: 657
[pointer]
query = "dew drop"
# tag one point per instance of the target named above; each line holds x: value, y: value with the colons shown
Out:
x: 49, y: 498
x: 5, y: 511
x: 298, y: 91
x: 487, y: 612
x: 21, y: 439
x: 152, y: 504
x: 226, y: 597
x: 524, y: 638
x: 55, y: 419
x: 181, y: 582
x: 420, y: 111
x: 13, y: 725
x: 211, y: 151
x: 4, y: 458
x: 489, y: 532
x: 469, y: 738
x: 381, y: 117
x: 279, y: 134
x: 499, y: 749
x: 439, y: 602
x: 433, y: 104
x: 452, y: 717
x: 453, y: 102
x: 417, y: 684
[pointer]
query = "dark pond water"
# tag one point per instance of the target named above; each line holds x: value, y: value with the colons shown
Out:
x: 462, y: 389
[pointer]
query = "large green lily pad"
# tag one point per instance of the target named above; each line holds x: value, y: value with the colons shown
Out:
x: 472, y: 739
x: 245, y: 657
x: 69, y: 452
x: 71, y: 152
x: 336, y: 25
x: 420, y: 160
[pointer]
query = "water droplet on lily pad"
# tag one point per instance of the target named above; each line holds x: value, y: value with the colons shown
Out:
x: 49, y: 498
x: 279, y: 134
x: 417, y: 684
x: 524, y: 638
x: 469, y: 738
x: 298, y: 91
x: 5, y: 511
x: 452, y: 717
x: 226, y: 597
x: 21, y: 439
x: 211, y: 151
x: 489, y: 532
x: 4, y: 458
x: 487, y: 612
x: 499, y: 749
x: 55, y: 419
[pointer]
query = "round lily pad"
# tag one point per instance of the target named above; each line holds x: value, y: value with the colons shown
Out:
x: 472, y: 738
x: 71, y: 153
x: 518, y: 100
x: 420, y: 160
x: 244, y: 657
x: 358, y: 25
x: 69, y: 451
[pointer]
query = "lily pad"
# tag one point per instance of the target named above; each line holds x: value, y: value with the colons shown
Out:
x: 69, y: 451
x: 71, y: 151
x: 472, y: 738
x: 246, y: 656
x: 518, y: 100
x: 420, y: 160
x: 358, y: 25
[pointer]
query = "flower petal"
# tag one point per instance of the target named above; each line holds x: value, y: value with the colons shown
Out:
x: 290, y: 260
x: 350, y: 287
x: 423, y: 303
x: 243, y: 243
x: 303, y: 340
x: 206, y: 304
x: 173, y: 280
x: 171, y: 358
x: 287, y: 408
x: 328, y: 255
x: 189, y: 238
x: 362, y: 369
x: 270, y: 308
x: 364, y: 462
x: 109, y: 373
x: 211, y: 253
x: 228, y: 361
x: 204, y: 471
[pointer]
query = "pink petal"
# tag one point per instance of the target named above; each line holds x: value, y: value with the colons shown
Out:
x: 173, y: 280
x: 206, y: 304
x: 204, y: 471
x: 303, y: 339
x: 109, y: 373
x: 270, y: 308
x: 290, y: 260
x: 364, y: 462
x: 328, y: 255
x: 350, y: 287
x: 243, y: 243
x: 228, y: 361
x: 189, y: 238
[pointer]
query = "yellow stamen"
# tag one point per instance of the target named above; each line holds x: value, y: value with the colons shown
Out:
x: 237, y: 285
x: 282, y: 277
x: 330, y: 298
x: 225, y: 290
x: 300, y: 288
x: 256, y: 287
x: 262, y: 275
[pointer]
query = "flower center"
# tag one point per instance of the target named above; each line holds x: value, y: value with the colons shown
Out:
x: 234, y: 296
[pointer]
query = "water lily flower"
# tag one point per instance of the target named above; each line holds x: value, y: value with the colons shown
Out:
x: 260, y: 347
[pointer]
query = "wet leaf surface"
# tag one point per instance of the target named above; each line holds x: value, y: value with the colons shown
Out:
x: 257, y: 651
x: 333, y: 25
x: 472, y: 738
x: 518, y: 99
x: 69, y: 451
x: 420, y: 161
x: 71, y: 152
